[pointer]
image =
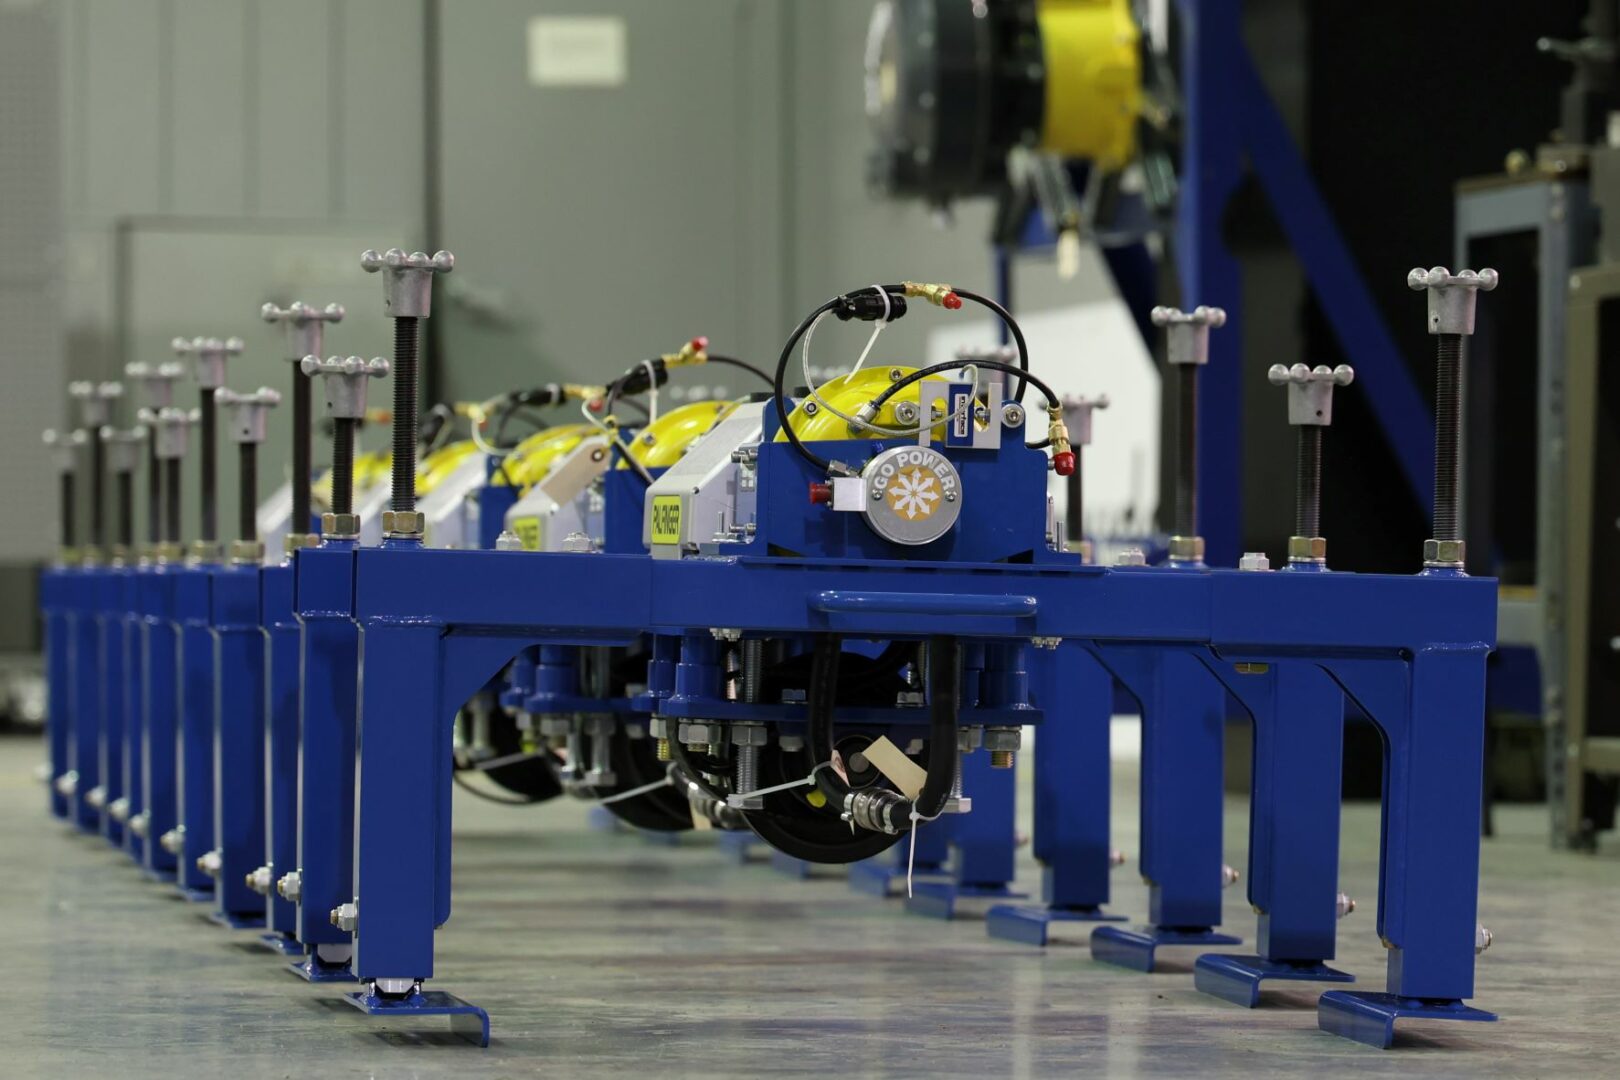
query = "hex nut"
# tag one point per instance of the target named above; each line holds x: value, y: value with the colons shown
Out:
x: 1130, y: 557
x: 209, y: 862
x: 290, y: 886
x: 403, y: 523
x: 1445, y: 553
x: 749, y: 735
x: 247, y: 552
x: 1254, y: 560
x: 1187, y: 549
x: 1003, y: 738
x: 702, y: 732
x: 346, y: 917
x: 340, y: 526
x: 1308, y: 549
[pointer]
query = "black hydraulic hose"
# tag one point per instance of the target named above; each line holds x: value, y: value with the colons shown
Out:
x: 1017, y: 335
x: 952, y: 365
x: 945, y: 707
x: 821, y: 463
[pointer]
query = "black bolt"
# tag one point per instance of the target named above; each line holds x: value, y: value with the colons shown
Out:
x: 247, y: 503
x: 171, y: 500
x: 1308, y: 482
x: 343, y: 465
x: 403, y: 499
x: 1447, y: 436
x: 210, y: 481
x: 1186, y: 520
x: 301, y: 466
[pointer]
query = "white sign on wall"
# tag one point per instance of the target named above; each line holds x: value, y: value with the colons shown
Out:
x: 577, y: 50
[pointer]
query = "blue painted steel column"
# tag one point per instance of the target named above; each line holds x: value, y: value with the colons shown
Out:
x: 239, y: 742
x: 402, y: 801
x: 85, y: 747
x: 193, y: 600
x: 982, y: 843
x: 283, y: 659
x: 160, y: 717
x: 55, y: 593
x: 114, y: 702
x: 326, y: 776
x: 1211, y: 168
x: 1072, y: 781
x: 133, y: 802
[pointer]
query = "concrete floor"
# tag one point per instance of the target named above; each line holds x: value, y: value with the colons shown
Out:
x: 606, y: 956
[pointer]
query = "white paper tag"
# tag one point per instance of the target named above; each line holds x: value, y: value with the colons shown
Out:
x: 577, y: 50
x: 700, y: 822
x: 905, y: 774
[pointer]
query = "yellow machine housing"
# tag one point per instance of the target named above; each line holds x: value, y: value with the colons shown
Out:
x: 1093, y: 66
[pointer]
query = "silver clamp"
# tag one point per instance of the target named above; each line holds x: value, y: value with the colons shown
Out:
x: 1077, y: 416
x: 65, y: 447
x: 1188, y: 331
x: 123, y: 447
x: 1451, y: 296
x: 407, y: 279
x: 346, y: 378
x: 157, y: 380
x: 250, y: 413
x: 304, y: 325
x: 209, y: 355
x: 171, y: 429
x: 95, y: 401
x: 1310, y: 390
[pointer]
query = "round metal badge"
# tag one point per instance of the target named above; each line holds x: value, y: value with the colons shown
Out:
x: 913, y: 494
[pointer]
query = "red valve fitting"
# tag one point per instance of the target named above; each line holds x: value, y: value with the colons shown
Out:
x: 820, y: 494
x: 952, y: 301
x: 1063, y: 463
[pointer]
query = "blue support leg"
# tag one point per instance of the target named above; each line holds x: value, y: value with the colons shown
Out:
x: 1431, y: 711
x: 55, y: 589
x: 239, y: 746
x: 192, y: 840
x: 886, y: 874
x: 401, y: 879
x: 324, y: 875
x: 1298, y: 713
x: 1183, y: 735
x: 110, y: 753
x: 281, y: 754
x: 1072, y: 780
x: 86, y: 699
x: 131, y: 802
x: 160, y: 656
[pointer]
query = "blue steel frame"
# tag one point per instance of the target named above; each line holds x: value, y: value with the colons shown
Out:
x: 193, y: 600
x: 283, y: 714
x: 236, y: 652
x: 160, y: 715
x: 1410, y: 651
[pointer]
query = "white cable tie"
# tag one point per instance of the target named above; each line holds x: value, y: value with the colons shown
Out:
x: 804, y: 781
x: 877, y: 329
x: 633, y: 792
x: 652, y: 391
x: 911, y: 856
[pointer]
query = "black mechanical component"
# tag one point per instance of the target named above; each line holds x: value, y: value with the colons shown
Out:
x: 208, y: 530
x: 343, y: 465
x: 951, y: 87
x: 247, y: 502
x: 301, y: 465
x: 154, y: 493
x: 1186, y: 513
x: 1308, y: 482
x: 171, y: 500
x: 1448, y: 390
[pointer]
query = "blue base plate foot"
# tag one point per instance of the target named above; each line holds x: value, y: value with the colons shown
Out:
x: 659, y: 838
x: 787, y: 864
x: 466, y: 1020
x: 160, y: 875
x: 1236, y: 978
x: 284, y: 944
x: 876, y: 879
x: 232, y: 920
x: 736, y: 844
x: 1134, y: 946
x: 1027, y: 924
x: 312, y: 970
x: 196, y: 896
x: 937, y: 899
x: 1368, y: 1017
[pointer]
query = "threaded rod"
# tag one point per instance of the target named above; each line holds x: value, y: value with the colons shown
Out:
x: 70, y: 517
x: 1447, y: 437
x: 342, y: 465
x: 154, y: 492
x: 406, y: 421
x: 1308, y: 482
x: 1073, y: 529
x: 98, y: 490
x: 209, y: 531
x: 301, y: 466
x: 125, y: 485
x: 247, y: 499
x: 1186, y: 519
x: 171, y: 500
